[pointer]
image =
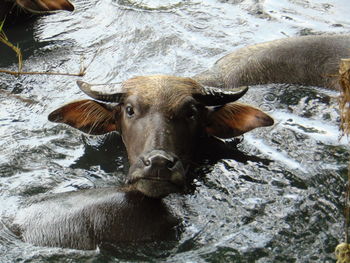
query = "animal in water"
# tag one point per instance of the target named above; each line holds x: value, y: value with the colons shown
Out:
x: 307, y: 60
x: 160, y: 119
x: 13, y: 11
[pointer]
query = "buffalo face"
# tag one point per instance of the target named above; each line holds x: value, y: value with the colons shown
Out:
x: 160, y: 139
x: 160, y: 119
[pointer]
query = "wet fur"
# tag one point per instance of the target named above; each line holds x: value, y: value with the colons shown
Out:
x: 163, y: 92
x: 307, y: 60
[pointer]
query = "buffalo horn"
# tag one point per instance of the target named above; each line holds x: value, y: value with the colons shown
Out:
x: 101, y: 94
x: 214, y: 96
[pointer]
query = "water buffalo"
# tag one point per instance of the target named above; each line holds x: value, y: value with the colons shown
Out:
x: 14, y: 10
x: 160, y: 119
x: 307, y: 60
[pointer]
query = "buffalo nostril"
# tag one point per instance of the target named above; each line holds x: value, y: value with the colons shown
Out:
x: 171, y: 163
x: 147, y: 162
x: 159, y: 161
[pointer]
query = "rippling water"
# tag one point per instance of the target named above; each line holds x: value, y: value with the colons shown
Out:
x: 276, y: 198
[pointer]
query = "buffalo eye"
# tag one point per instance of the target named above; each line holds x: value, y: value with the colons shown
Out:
x: 129, y: 111
x: 192, y: 112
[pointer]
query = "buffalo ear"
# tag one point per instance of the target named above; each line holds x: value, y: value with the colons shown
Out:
x: 45, y: 5
x: 88, y: 116
x: 234, y: 119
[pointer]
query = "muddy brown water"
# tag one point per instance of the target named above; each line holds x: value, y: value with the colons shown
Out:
x: 276, y: 198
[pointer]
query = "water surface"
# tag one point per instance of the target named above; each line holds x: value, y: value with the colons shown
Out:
x: 275, y: 197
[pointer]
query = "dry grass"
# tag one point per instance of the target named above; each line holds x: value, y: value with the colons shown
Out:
x: 344, y: 104
x: 343, y: 250
x: 17, y: 50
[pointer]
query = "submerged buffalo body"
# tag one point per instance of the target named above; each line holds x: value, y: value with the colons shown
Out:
x: 93, y: 218
x: 160, y: 119
x: 307, y: 60
x: 12, y: 10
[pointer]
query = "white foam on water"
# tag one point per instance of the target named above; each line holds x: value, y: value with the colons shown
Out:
x: 321, y: 131
x: 273, y: 153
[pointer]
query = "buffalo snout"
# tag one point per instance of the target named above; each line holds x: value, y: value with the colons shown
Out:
x: 157, y: 174
x: 159, y: 160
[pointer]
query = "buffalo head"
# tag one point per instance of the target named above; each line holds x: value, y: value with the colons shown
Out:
x: 160, y: 119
